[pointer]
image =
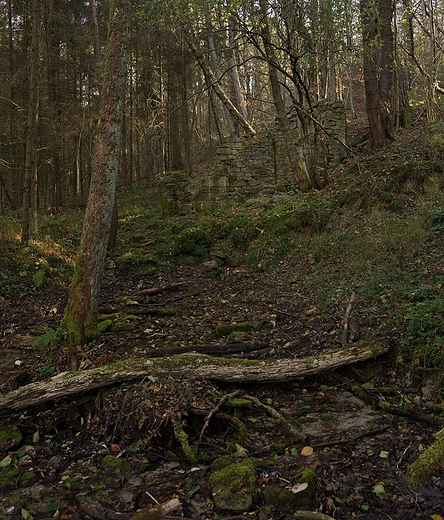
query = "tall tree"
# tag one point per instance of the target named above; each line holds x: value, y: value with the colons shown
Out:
x: 81, y: 312
x: 377, y: 37
x: 29, y: 214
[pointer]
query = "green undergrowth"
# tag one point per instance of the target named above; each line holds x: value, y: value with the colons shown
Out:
x: 46, y: 260
x: 376, y: 229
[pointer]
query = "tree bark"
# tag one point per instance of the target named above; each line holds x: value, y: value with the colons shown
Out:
x: 378, y: 61
x: 194, y: 366
x: 81, y: 313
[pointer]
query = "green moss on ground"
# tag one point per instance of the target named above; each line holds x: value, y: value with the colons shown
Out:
x: 9, y: 437
x: 111, y: 462
x: 226, y: 330
x: 233, y: 487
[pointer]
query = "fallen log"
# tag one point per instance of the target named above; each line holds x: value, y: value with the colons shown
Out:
x: 219, y: 350
x: 193, y: 366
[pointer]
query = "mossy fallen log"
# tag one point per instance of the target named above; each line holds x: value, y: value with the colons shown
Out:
x: 423, y: 468
x: 194, y: 366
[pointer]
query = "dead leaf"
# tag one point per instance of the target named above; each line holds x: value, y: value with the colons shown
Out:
x: 313, y: 464
x: 299, y: 487
x: 307, y: 451
x: 115, y: 448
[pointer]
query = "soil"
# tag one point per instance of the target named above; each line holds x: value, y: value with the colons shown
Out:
x: 114, y: 449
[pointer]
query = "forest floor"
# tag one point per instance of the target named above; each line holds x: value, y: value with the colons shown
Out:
x: 360, y: 453
x: 376, y: 231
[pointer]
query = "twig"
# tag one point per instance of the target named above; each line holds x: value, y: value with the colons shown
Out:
x: 214, y: 412
x: 96, y: 511
x: 367, y: 433
x: 152, y: 498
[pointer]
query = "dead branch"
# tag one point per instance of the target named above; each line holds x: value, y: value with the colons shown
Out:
x: 351, y: 327
x: 157, y: 290
x: 410, y: 413
x: 194, y: 366
x: 368, y: 433
x: 296, y: 434
x: 309, y: 515
x: 214, y: 412
x: 157, y: 512
x: 219, y: 350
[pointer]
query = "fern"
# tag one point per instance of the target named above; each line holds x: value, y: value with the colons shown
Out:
x: 45, y: 339
x: 38, y: 277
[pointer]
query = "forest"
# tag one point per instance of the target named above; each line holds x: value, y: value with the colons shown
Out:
x: 221, y: 251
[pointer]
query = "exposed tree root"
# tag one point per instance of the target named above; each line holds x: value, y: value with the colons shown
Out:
x: 416, y: 415
x: 297, y: 436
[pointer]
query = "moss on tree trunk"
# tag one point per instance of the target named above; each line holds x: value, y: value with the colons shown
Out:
x: 80, y: 319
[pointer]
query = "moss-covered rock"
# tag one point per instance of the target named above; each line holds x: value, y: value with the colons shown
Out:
x: 111, y: 462
x: 226, y: 330
x: 105, y: 325
x: 221, y: 463
x: 9, y: 437
x: 124, y: 324
x: 300, y: 496
x: 233, y: 487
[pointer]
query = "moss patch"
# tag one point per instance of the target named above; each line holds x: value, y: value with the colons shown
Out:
x: 226, y: 330
x: 286, y: 498
x: 8, y: 478
x: 421, y: 471
x: 111, y: 462
x: 9, y: 437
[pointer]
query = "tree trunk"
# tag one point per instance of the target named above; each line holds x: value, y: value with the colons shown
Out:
x: 80, y: 317
x: 377, y: 36
x: 298, y: 166
x: 232, y: 126
x: 238, y: 97
x: 29, y: 214
x: 221, y: 94
x: 194, y: 366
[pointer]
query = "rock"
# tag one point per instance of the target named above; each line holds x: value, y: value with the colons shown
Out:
x: 291, y: 498
x: 233, y: 487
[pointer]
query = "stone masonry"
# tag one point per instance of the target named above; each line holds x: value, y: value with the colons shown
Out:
x: 246, y: 165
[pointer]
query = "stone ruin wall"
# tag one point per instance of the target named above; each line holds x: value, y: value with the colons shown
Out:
x: 247, y: 165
